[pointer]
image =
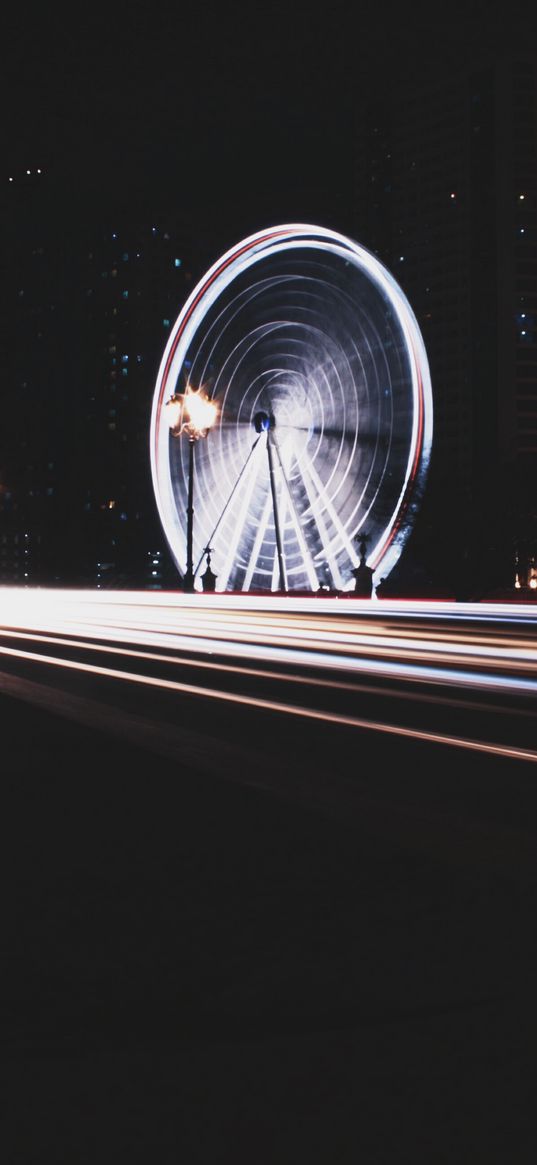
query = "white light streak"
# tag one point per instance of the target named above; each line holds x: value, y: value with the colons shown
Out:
x: 331, y: 644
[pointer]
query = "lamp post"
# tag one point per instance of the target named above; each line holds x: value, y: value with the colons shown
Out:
x: 192, y: 414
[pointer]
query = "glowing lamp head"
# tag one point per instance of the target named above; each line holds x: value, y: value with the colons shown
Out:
x: 533, y: 582
x: 192, y: 413
x: 201, y: 413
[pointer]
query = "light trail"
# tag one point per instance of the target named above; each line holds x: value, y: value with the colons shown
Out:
x: 506, y: 751
x: 350, y: 646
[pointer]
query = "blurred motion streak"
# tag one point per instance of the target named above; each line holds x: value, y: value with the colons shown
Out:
x: 422, y: 648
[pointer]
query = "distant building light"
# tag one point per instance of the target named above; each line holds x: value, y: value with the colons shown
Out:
x: 177, y: 262
x: 533, y: 582
x: 124, y: 359
x: 401, y: 258
x: 10, y: 180
x: 453, y: 195
x: 125, y: 256
x: 114, y: 236
x: 521, y: 197
x: 166, y: 323
x: 154, y: 573
x: 522, y: 231
x: 125, y: 294
x: 522, y: 333
x: 28, y: 171
x: 38, y: 171
x: 154, y: 230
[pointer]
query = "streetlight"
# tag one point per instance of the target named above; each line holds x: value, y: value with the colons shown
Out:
x: 191, y: 412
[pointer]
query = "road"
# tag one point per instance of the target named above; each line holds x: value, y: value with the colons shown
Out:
x: 270, y: 880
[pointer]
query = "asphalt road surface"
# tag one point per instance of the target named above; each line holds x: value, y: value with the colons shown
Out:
x: 232, y: 933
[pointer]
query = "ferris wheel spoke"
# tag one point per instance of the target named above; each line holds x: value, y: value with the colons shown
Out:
x: 322, y: 531
x: 295, y: 518
x: 319, y: 497
x: 258, y: 542
x: 241, y: 518
x: 229, y: 500
x: 279, y: 572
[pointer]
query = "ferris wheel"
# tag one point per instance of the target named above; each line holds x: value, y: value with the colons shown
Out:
x: 314, y: 360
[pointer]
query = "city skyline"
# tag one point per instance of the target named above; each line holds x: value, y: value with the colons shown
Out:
x: 120, y: 162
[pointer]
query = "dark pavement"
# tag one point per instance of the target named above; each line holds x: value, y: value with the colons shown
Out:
x: 199, y: 968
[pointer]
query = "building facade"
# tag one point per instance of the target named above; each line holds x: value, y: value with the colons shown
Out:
x: 446, y: 196
x: 87, y: 314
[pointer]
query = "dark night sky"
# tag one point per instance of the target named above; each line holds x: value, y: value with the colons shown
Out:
x: 233, y: 113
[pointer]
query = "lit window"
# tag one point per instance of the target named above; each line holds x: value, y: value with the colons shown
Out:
x: 125, y: 294
x: 124, y: 359
x: 166, y: 323
x: 177, y: 262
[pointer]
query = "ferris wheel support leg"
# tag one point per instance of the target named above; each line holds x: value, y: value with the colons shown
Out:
x: 283, y: 586
x: 222, y: 515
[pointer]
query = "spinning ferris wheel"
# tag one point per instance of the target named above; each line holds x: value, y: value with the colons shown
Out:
x: 314, y: 360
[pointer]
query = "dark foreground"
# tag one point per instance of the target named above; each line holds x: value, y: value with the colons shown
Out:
x: 199, y: 971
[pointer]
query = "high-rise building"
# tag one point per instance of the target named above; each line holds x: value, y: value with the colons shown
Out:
x: 88, y: 309
x: 446, y: 196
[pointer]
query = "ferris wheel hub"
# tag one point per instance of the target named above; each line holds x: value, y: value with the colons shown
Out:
x: 263, y: 422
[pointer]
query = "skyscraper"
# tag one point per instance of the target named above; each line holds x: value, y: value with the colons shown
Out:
x: 446, y: 195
